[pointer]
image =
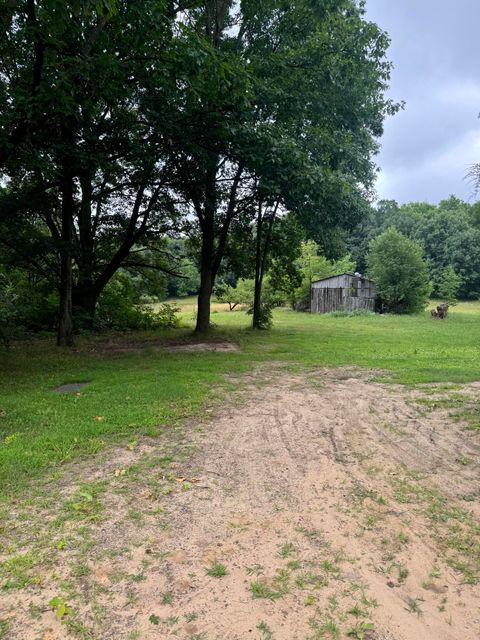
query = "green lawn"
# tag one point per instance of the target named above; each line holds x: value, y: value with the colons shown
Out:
x: 150, y: 388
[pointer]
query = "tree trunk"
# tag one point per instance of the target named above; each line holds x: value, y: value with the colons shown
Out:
x: 65, y: 325
x: 206, y: 282
x: 257, y: 296
x: 85, y: 293
x: 261, y: 255
x: 85, y: 298
x: 209, y: 262
x: 204, y: 295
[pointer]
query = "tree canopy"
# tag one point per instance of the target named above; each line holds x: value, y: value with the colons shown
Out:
x: 396, y: 265
x: 123, y: 124
x: 448, y: 233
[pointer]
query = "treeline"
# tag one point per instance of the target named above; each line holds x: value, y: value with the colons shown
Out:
x: 412, y: 252
x: 448, y: 234
x: 127, y: 125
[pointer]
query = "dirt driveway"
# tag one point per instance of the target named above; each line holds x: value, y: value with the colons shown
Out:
x: 310, y: 506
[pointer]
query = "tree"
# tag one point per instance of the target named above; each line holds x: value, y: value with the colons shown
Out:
x: 284, y: 104
x: 464, y: 255
x: 98, y: 186
x: 449, y: 285
x: 278, y: 245
x: 315, y: 266
x: 396, y: 265
x: 448, y: 233
x: 242, y: 293
x: 176, y: 117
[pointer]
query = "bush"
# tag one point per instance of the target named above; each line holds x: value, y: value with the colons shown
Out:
x: 265, y: 319
x: 32, y: 302
x: 166, y: 316
x: 8, y: 309
x: 396, y: 265
x: 120, y: 308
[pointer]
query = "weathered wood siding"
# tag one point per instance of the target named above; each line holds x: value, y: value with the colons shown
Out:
x: 352, y: 304
x: 335, y: 282
x: 338, y: 299
x: 327, y: 300
x: 342, y: 293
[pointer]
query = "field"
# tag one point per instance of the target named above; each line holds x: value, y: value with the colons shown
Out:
x: 316, y: 480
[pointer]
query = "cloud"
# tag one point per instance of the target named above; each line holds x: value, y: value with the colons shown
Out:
x: 436, y: 177
x: 427, y: 148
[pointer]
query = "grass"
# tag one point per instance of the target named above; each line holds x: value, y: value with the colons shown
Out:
x: 149, y: 389
x: 262, y: 590
x: 216, y: 570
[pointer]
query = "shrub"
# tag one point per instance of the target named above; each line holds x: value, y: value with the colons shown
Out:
x: 8, y: 309
x: 166, y: 316
x: 265, y: 318
x: 120, y: 308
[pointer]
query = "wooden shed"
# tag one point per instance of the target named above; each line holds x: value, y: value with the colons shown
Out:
x: 345, y: 292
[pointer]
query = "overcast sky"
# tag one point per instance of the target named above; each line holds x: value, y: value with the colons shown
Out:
x: 435, y: 50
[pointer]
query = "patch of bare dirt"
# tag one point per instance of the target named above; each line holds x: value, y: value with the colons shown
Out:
x: 336, y: 507
x: 123, y: 345
x: 205, y: 346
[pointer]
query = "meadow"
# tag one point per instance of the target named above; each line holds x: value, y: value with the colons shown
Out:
x: 137, y: 385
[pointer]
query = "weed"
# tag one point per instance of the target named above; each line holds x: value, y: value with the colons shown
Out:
x: 282, y: 580
x: 139, y: 577
x: 4, y: 627
x: 262, y: 590
x: 18, y: 571
x: 361, y: 630
x: 402, y: 537
x: 167, y: 597
x: 190, y: 617
x: 80, y: 570
x: 464, y: 461
x: 216, y: 570
x: 60, y: 607
x: 132, y: 597
x: 256, y: 569
x: 308, y: 533
x: 413, y: 606
x: 403, y: 574
x: 286, y: 550
x: 329, y: 627
x: 357, y: 611
x: 265, y: 630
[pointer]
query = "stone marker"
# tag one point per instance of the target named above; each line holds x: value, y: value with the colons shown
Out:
x: 70, y: 387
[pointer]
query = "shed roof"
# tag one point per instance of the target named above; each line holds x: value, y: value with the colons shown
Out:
x: 338, y: 275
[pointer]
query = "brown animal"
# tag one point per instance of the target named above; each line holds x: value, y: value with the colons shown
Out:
x: 440, y: 312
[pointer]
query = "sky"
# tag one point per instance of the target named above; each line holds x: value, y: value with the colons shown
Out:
x: 435, y: 50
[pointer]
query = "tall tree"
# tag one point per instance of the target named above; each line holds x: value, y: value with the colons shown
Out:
x: 72, y: 127
x: 288, y: 101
